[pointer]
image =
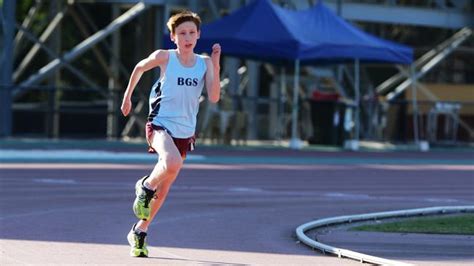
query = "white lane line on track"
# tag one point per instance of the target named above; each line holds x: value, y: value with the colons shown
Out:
x: 35, y: 213
x: 234, y: 189
x: 346, y: 195
x: 245, y: 189
x: 349, y: 196
x: 55, y: 181
x: 331, y: 195
x: 441, y: 200
x: 227, y: 189
x: 74, y: 166
x: 82, y: 155
x: 186, y: 217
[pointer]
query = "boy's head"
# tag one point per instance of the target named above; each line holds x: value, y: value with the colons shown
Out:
x: 181, y: 17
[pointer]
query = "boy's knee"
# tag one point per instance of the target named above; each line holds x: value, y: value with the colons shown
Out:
x: 172, y: 164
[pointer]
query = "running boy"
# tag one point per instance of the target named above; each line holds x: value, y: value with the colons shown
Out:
x: 173, y: 103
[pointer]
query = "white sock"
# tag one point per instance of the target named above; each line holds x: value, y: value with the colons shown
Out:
x: 147, y: 185
x: 139, y: 230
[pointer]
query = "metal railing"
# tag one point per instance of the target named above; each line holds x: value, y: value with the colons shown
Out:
x: 302, y: 229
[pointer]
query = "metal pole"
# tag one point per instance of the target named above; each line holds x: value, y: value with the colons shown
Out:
x: 26, y: 24
x: 281, y: 104
x: 6, y: 83
x: 253, y: 72
x: 295, y: 141
x: 339, y: 8
x: 160, y: 30
x: 55, y: 80
x: 414, y: 102
x: 113, y: 99
x: 357, y: 98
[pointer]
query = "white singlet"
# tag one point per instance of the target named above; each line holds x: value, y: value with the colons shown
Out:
x: 174, y: 98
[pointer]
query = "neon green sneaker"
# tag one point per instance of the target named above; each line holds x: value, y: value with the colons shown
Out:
x: 141, y: 205
x: 137, y: 242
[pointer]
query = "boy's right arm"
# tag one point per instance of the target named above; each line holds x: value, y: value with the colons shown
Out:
x: 157, y: 58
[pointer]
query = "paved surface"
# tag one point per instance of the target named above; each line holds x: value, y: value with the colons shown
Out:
x: 235, y: 207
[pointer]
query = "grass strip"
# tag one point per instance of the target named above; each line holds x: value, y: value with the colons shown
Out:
x: 461, y: 225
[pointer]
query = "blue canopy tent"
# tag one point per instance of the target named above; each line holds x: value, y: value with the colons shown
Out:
x: 267, y: 32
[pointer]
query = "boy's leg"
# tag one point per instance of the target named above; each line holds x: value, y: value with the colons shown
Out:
x: 161, y: 179
x: 169, y: 162
x: 164, y: 173
x: 163, y: 188
x: 137, y: 235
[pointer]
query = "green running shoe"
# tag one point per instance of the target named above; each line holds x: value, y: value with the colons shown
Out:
x: 141, y: 205
x: 137, y: 242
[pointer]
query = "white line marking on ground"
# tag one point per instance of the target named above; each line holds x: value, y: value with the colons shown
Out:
x: 245, y: 189
x: 222, y: 189
x: 81, y: 155
x: 56, y: 181
x: 71, y: 209
x: 82, y: 166
x: 441, y: 200
x: 185, y: 217
x: 347, y: 195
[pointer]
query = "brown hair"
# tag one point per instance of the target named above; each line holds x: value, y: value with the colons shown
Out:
x: 181, y: 17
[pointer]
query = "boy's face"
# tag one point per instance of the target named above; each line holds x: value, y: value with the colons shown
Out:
x: 186, y: 35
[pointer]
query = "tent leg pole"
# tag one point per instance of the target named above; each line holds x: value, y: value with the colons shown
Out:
x: 414, y: 105
x: 7, y: 11
x: 281, y: 105
x: 357, y: 98
x: 295, y: 142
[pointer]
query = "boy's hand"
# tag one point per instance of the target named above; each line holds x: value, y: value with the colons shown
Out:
x: 126, y: 106
x: 216, y: 55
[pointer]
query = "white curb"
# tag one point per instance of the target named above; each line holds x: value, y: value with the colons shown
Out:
x: 300, y: 231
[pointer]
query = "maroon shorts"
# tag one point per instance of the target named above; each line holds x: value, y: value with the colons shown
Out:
x: 183, y: 145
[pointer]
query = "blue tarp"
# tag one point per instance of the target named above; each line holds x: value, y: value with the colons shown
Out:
x: 264, y: 31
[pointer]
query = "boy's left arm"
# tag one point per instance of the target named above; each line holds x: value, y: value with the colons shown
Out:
x: 213, y: 80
